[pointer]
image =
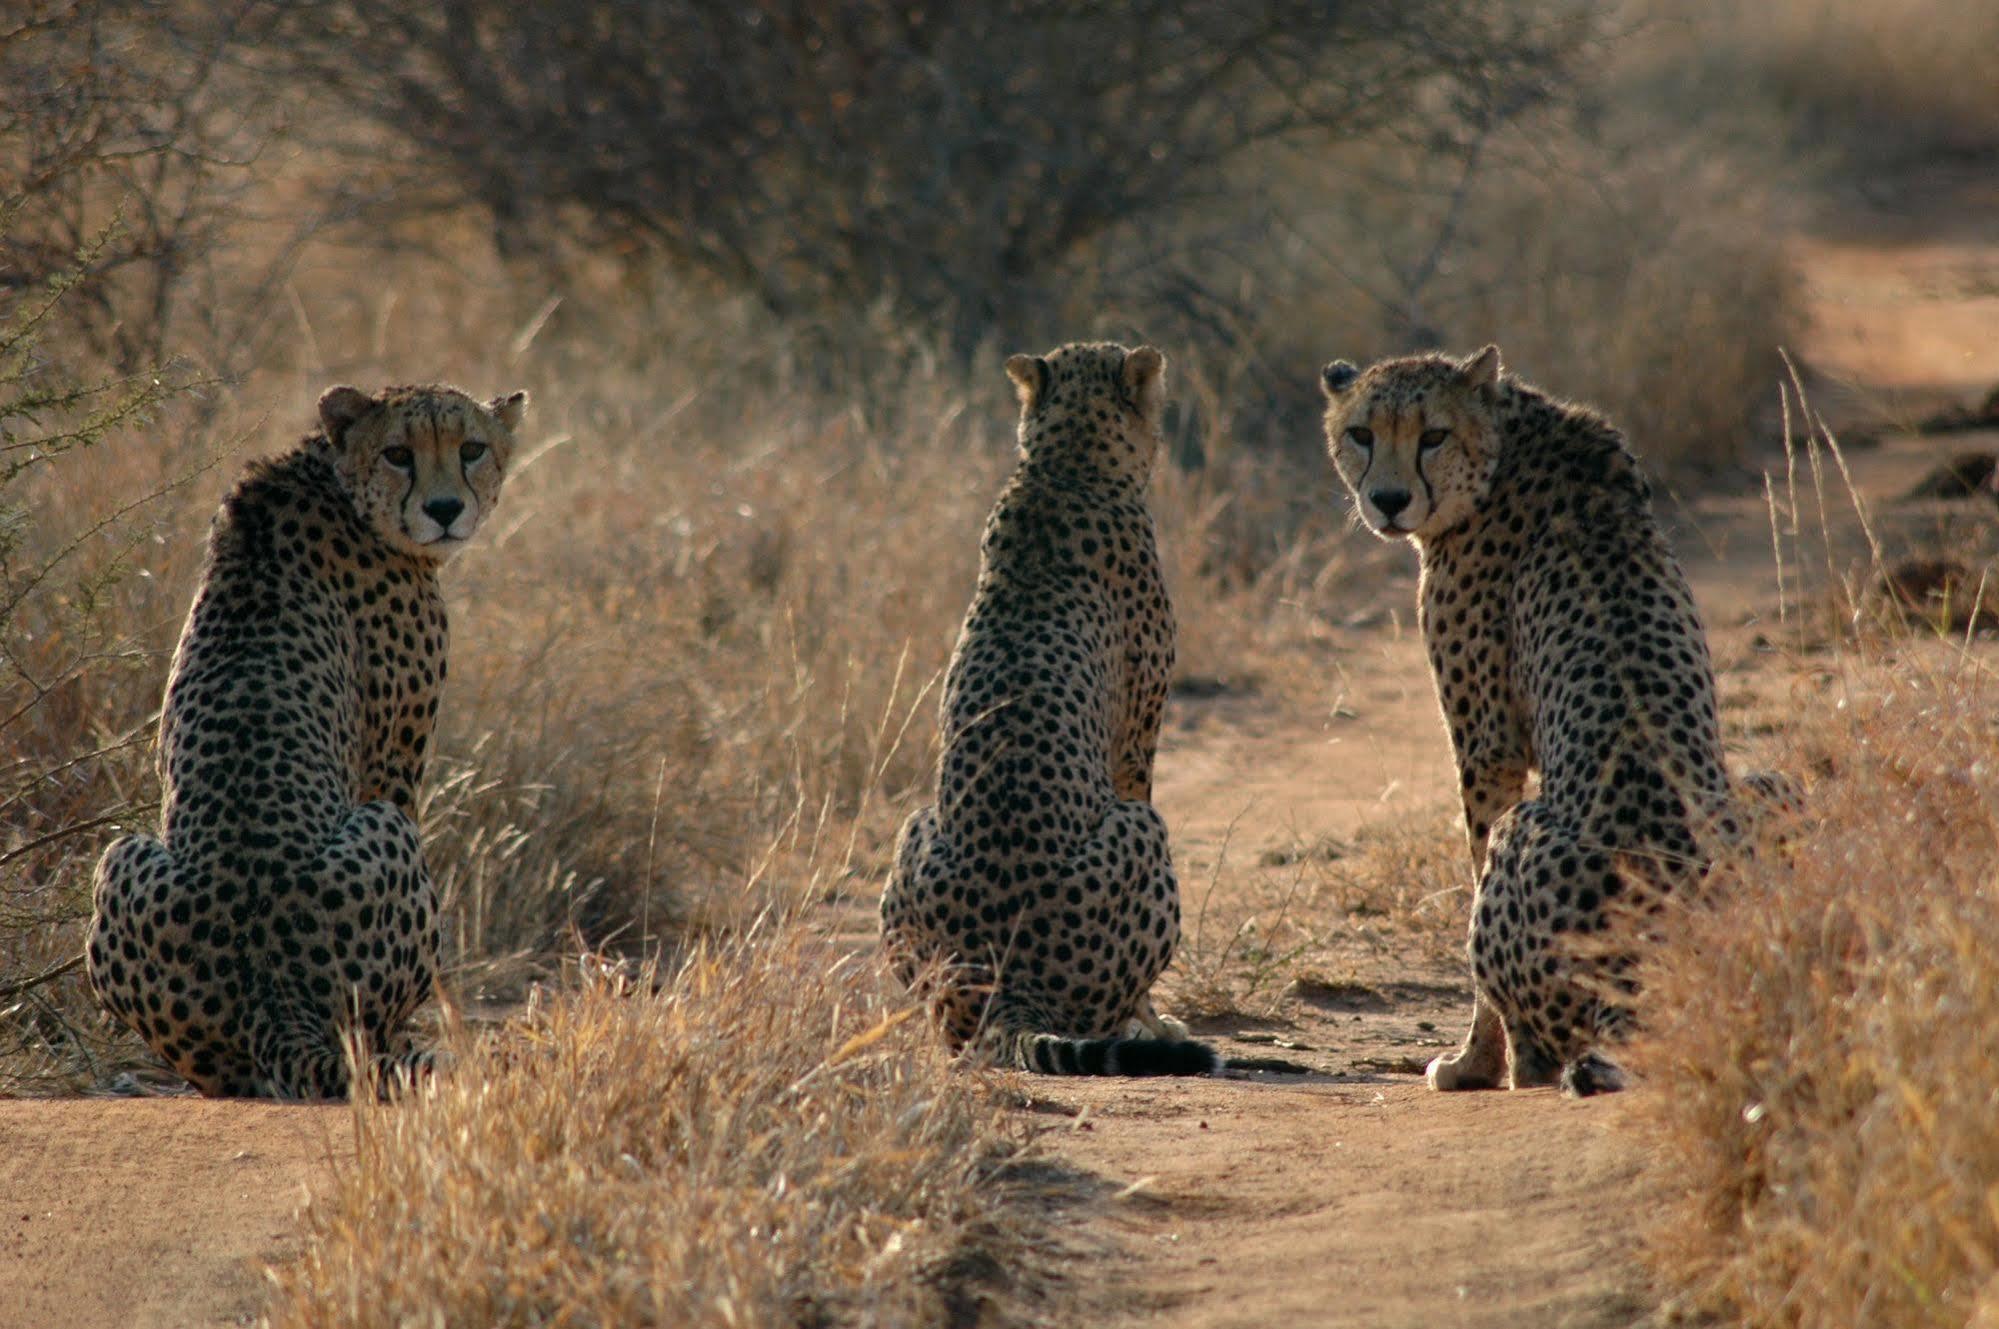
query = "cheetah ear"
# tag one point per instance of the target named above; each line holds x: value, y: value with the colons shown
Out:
x: 1481, y: 370
x: 340, y: 407
x: 510, y: 410
x: 1144, y: 379
x: 1338, y: 376
x: 1030, y: 378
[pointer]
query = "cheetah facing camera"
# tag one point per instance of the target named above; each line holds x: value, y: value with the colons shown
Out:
x: 1037, y: 892
x: 285, y: 909
x: 1562, y: 638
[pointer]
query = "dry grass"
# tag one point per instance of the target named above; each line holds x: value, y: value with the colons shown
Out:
x: 1820, y: 1122
x: 769, y: 1138
x: 1821, y: 1119
x: 1251, y: 931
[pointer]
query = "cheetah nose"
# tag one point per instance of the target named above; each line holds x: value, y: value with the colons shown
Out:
x: 1388, y: 502
x: 443, y: 511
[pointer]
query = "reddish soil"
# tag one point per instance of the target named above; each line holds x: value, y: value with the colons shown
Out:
x: 131, y: 1213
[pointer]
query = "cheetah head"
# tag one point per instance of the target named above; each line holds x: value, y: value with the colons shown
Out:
x: 1091, y: 408
x: 423, y: 465
x: 1414, y: 439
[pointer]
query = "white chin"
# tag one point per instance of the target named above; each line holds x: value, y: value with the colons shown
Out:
x: 439, y: 546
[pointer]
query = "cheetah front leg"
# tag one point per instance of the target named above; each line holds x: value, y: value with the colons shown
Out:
x: 1133, y: 751
x: 1480, y: 1061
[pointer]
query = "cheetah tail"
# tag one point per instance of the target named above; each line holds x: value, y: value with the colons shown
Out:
x: 1052, y: 1054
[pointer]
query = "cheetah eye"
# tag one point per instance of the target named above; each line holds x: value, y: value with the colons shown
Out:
x: 470, y: 452
x: 1361, y: 437
x: 399, y: 457
x: 1433, y: 439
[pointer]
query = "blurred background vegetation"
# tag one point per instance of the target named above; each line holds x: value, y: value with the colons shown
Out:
x: 759, y: 265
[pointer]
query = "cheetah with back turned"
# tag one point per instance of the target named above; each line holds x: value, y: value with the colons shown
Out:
x: 1038, y: 891
x: 1563, y: 639
x: 285, y: 909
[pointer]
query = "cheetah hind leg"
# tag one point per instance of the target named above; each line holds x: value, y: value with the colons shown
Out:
x: 1144, y: 895
x: 300, y: 1027
x: 301, y: 1056
x: 144, y: 965
x: 1550, y: 1000
x: 921, y: 859
x: 129, y: 876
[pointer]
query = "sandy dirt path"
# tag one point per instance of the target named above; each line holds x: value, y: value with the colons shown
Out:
x: 1343, y: 1192
x: 1360, y: 1204
x: 134, y: 1213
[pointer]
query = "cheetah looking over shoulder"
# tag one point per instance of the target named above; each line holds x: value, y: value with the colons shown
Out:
x: 1038, y: 888
x: 285, y: 907
x: 1563, y: 639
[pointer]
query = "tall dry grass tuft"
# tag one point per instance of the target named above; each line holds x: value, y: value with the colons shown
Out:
x: 76, y: 602
x: 1821, y: 1130
x: 1821, y: 1124
x: 771, y: 1137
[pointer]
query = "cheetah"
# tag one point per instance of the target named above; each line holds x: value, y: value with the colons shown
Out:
x: 284, y: 910
x: 1038, y: 890
x: 1563, y: 640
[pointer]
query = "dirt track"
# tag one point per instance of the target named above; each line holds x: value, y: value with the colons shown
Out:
x: 1346, y: 1195
x: 152, y: 1212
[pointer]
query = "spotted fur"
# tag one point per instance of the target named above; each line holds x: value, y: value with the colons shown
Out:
x: 285, y: 909
x: 1038, y: 891
x: 1563, y: 640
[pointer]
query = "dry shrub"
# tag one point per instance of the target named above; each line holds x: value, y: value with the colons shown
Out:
x: 1937, y: 594
x: 1644, y: 275
x: 976, y: 168
x: 1820, y: 1126
x: 1875, y: 79
x: 770, y: 1138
